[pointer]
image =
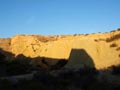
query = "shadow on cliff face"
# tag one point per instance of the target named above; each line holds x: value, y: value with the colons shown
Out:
x: 78, y: 58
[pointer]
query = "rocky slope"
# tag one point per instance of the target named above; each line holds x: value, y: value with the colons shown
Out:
x: 96, y: 50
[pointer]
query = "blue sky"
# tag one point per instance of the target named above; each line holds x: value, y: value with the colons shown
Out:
x: 51, y: 17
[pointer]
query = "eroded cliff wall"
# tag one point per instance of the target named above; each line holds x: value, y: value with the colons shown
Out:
x: 102, y: 49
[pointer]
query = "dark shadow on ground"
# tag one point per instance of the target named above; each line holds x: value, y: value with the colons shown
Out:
x: 66, y: 79
x: 5, y: 55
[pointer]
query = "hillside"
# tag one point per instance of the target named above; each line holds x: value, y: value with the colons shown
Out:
x: 96, y: 50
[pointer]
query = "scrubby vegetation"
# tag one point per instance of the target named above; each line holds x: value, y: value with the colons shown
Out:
x: 118, y: 49
x: 82, y: 79
x: 115, y: 37
x: 116, y: 70
x: 113, y: 31
x: 118, y: 29
x: 97, y: 40
x: 86, y: 34
x: 113, y: 45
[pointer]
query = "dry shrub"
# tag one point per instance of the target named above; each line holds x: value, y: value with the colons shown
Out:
x: 118, y: 49
x: 113, y: 45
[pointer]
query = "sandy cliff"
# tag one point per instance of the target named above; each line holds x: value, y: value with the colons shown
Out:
x: 102, y: 49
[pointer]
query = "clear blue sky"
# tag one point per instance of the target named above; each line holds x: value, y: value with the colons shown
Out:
x: 50, y: 17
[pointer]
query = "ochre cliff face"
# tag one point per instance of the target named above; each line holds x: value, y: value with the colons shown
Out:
x: 5, y: 44
x: 102, y: 49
